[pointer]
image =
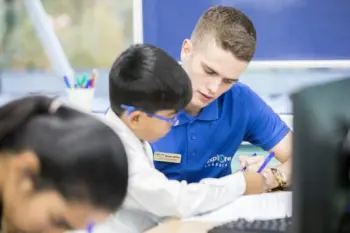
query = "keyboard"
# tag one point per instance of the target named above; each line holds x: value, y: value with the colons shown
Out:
x: 258, y: 226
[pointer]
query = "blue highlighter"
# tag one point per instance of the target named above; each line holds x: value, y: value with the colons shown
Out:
x: 267, y: 160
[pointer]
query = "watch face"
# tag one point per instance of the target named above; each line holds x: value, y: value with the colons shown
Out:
x: 280, y: 177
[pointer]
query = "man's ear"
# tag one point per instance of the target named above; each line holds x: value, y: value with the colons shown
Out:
x: 186, y: 49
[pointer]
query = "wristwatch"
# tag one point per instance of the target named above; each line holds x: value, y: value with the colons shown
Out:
x: 280, y: 178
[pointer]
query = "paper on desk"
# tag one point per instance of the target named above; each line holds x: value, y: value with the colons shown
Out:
x: 263, y: 206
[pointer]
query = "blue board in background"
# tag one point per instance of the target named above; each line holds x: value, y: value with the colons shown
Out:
x: 287, y: 29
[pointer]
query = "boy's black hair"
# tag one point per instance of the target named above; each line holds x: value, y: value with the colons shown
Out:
x: 80, y: 156
x: 147, y: 78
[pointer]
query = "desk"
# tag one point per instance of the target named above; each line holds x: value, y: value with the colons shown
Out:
x: 263, y: 207
x: 178, y: 226
x: 100, y: 104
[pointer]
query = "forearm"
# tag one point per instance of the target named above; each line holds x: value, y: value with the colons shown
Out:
x: 154, y: 193
x: 286, y: 169
x: 283, y: 153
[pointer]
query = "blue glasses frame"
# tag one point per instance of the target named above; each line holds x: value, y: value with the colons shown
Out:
x: 173, y: 121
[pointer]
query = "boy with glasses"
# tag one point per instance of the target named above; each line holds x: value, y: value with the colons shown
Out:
x: 147, y: 90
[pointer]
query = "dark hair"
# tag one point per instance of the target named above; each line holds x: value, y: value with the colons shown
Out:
x: 232, y: 30
x: 80, y: 156
x: 146, y: 77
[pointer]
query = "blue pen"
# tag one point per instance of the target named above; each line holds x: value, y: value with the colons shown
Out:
x: 267, y: 160
x: 88, y: 84
x: 245, y: 168
x: 66, y: 81
x: 90, y: 228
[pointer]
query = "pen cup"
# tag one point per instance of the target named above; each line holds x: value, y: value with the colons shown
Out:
x: 81, y: 99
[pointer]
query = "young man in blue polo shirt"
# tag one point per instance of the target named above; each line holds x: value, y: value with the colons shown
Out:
x: 223, y: 112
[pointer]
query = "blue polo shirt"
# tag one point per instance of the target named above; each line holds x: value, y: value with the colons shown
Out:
x: 207, y: 142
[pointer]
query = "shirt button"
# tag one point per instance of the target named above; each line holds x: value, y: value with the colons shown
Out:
x: 194, y: 153
x: 193, y: 137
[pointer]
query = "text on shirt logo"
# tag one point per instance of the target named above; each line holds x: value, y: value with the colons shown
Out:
x: 219, y: 160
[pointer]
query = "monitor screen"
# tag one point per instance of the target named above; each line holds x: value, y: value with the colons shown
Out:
x: 321, y: 157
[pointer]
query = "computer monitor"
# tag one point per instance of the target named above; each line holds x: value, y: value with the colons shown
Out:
x: 321, y: 158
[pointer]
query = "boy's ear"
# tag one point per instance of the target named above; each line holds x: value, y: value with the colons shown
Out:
x: 134, y: 119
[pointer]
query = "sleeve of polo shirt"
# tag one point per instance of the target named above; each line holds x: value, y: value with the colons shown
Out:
x: 151, y: 191
x: 265, y: 128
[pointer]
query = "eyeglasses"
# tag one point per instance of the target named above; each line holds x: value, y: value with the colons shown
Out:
x: 173, y: 121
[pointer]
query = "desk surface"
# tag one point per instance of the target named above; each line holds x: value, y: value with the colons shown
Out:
x: 252, y: 207
x: 100, y: 105
x: 177, y: 226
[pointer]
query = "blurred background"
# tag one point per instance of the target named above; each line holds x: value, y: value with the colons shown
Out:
x: 91, y: 32
x: 300, y: 42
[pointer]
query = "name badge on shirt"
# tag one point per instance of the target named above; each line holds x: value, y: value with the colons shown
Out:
x: 167, y: 157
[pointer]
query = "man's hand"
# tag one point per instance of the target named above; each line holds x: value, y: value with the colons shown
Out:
x: 252, y: 164
x: 248, y: 161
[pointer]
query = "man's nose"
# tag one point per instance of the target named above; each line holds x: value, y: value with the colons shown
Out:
x: 214, y: 85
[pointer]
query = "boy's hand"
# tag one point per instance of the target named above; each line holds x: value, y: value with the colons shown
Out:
x: 255, y: 183
x: 250, y: 162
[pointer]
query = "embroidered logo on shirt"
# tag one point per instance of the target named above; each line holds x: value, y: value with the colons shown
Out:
x: 219, y: 160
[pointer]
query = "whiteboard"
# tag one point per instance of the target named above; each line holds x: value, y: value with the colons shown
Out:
x: 289, y: 31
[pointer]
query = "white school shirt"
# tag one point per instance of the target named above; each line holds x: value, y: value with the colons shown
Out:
x: 151, y: 196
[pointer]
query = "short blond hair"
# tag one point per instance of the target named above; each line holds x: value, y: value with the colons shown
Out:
x: 231, y: 29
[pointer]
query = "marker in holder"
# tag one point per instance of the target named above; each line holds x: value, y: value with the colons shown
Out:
x: 81, y: 91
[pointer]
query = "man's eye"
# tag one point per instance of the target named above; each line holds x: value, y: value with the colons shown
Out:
x: 229, y: 81
x: 209, y: 71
